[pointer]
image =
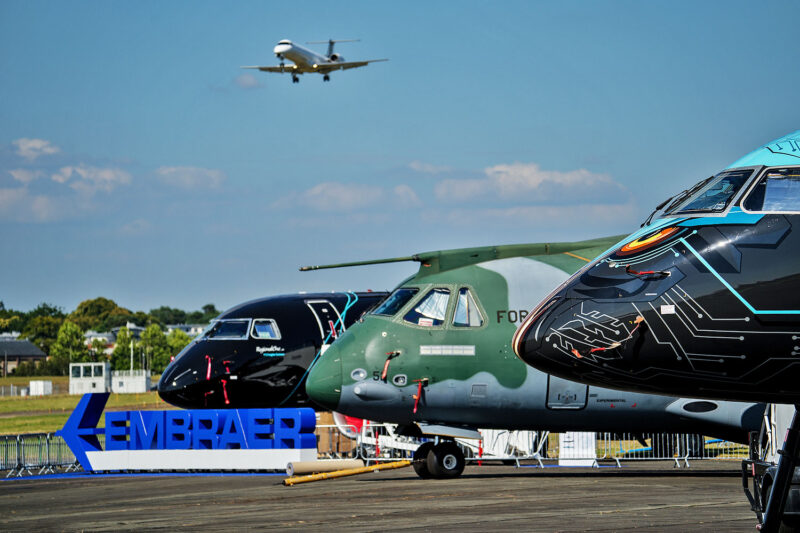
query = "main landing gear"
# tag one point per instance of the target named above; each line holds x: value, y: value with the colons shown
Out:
x: 781, y: 486
x: 295, y: 79
x: 326, y: 78
x: 439, y: 461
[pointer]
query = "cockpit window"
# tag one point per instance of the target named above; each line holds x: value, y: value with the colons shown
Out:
x: 467, y: 314
x: 265, y: 328
x: 713, y: 196
x: 430, y: 310
x: 395, y: 301
x: 777, y: 191
x: 229, y: 329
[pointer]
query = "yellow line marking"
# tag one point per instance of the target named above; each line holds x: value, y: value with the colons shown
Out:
x: 577, y: 256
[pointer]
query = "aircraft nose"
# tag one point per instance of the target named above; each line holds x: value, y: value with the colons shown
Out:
x: 531, y: 344
x: 183, y: 382
x: 281, y: 49
x: 324, y: 382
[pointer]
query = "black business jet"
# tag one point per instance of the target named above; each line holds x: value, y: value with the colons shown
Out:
x: 702, y: 301
x: 258, y: 353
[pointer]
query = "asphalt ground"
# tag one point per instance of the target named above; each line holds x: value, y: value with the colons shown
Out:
x: 637, y: 497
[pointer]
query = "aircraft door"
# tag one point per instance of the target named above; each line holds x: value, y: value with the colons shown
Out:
x: 565, y: 394
x: 327, y: 319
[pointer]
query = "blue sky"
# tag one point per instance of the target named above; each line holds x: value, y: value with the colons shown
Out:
x: 138, y: 162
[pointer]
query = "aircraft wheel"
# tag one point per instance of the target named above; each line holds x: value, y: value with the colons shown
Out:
x: 445, y: 460
x: 326, y: 78
x: 420, y: 460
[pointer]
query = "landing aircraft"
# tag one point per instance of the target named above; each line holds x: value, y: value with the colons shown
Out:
x: 702, y: 300
x: 435, y: 357
x: 306, y: 61
x: 257, y: 353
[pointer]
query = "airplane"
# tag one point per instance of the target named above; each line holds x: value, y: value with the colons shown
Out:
x: 306, y: 61
x: 435, y: 357
x: 701, y: 300
x: 257, y: 353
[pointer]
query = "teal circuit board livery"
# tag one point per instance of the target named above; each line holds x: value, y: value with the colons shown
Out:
x: 703, y: 300
x: 435, y: 357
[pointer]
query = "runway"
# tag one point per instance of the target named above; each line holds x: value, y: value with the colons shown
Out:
x: 637, y: 497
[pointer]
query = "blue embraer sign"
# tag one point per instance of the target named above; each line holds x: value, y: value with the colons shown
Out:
x: 200, y: 439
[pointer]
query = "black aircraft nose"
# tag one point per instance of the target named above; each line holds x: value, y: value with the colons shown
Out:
x: 190, y: 380
x: 532, y: 344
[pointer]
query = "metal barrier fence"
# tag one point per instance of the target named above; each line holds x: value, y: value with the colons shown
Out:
x: 40, y: 453
x: 35, y: 453
x: 380, y: 443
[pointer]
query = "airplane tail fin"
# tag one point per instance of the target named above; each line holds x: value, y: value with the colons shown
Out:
x: 331, y: 42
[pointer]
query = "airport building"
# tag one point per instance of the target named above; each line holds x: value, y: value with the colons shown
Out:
x: 15, y: 351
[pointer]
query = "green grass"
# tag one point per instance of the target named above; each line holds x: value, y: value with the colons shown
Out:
x: 23, y: 381
x: 42, y: 414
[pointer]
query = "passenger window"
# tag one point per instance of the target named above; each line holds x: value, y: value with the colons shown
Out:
x: 395, y: 301
x: 467, y: 314
x: 265, y: 328
x: 430, y: 310
x: 778, y: 191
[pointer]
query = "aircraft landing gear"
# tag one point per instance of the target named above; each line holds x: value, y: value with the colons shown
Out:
x: 295, y: 79
x: 781, y: 485
x: 326, y: 78
x: 440, y: 461
x: 420, y: 460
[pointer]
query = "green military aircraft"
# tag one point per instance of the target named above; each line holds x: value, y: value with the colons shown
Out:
x: 435, y: 357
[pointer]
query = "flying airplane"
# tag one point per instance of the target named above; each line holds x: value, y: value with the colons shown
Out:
x: 257, y: 353
x: 307, y: 62
x: 435, y: 357
x: 702, y: 300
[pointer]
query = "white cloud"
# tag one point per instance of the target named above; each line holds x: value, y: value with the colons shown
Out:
x: 25, y: 176
x: 32, y: 148
x: 191, y: 177
x: 350, y: 197
x: 335, y: 196
x: 405, y: 196
x: 20, y: 206
x: 527, y: 182
x: 427, y: 168
x: 247, y: 81
x: 88, y: 180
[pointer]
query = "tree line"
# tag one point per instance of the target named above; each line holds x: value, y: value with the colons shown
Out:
x: 60, y: 335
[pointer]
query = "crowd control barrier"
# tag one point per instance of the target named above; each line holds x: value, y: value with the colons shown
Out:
x: 43, y: 453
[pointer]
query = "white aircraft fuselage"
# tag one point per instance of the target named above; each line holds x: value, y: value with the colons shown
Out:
x: 305, y: 61
x: 303, y: 57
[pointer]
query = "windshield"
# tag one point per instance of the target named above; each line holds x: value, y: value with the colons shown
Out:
x: 395, y: 301
x: 430, y: 310
x: 712, y: 195
x: 467, y: 313
x: 229, y: 329
x: 778, y: 191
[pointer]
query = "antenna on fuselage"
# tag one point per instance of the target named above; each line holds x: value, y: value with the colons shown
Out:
x: 331, y: 42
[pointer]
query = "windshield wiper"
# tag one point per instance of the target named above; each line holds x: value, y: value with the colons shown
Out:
x: 677, y: 199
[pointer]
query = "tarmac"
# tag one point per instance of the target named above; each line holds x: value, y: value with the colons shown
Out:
x: 641, y: 496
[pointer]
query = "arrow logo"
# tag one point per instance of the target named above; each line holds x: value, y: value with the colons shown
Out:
x: 80, y: 431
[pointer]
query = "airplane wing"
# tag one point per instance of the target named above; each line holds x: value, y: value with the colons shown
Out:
x: 345, y: 65
x: 279, y: 69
